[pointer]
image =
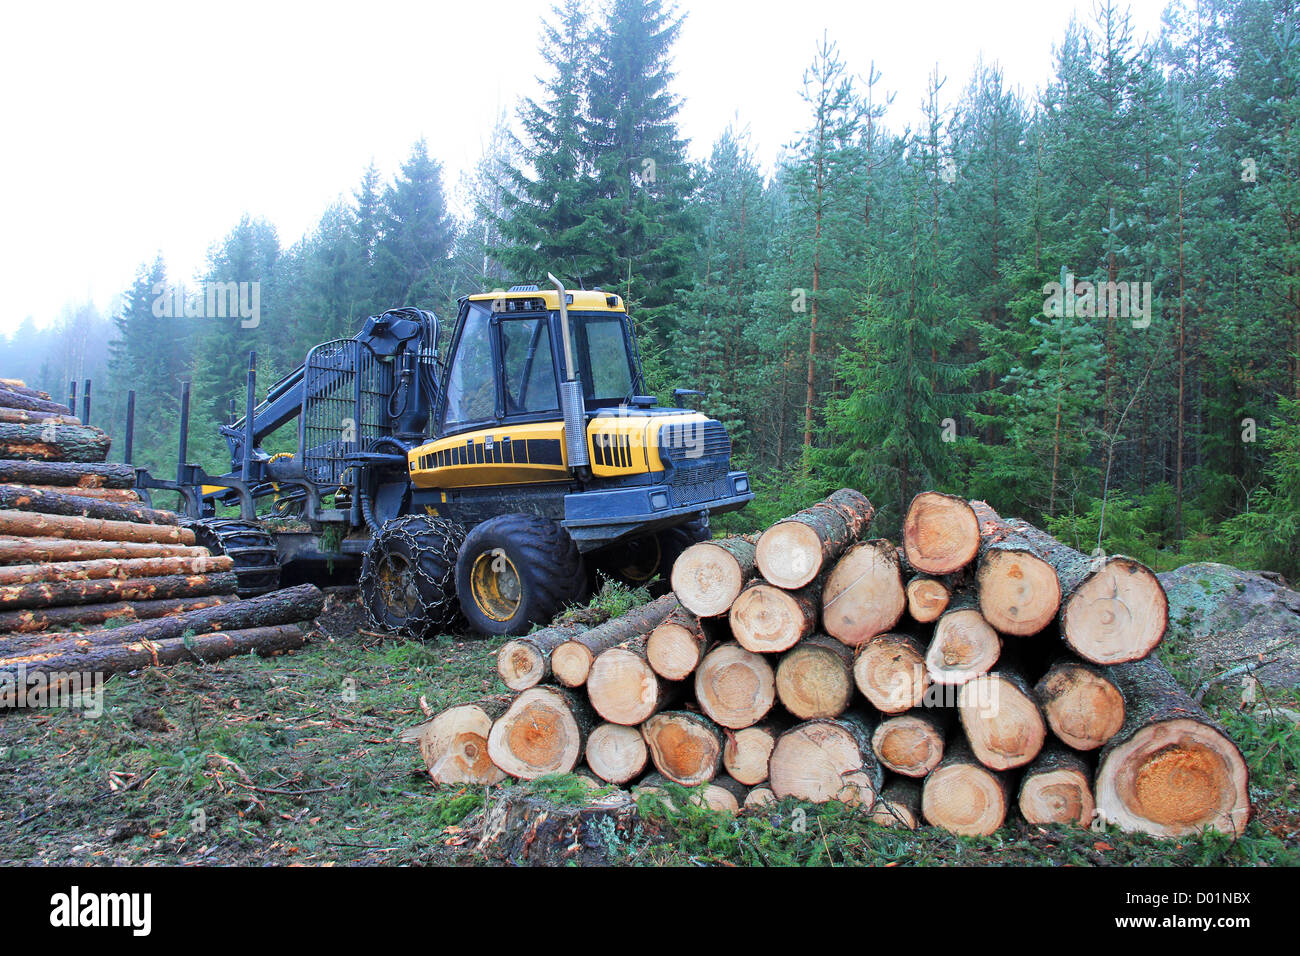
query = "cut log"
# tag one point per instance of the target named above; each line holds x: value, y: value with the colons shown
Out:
x: 899, y: 805
x: 735, y: 687
x: 927, y: 597
x: 815, y: 679
x: 571, y: 661
x: 454, y: 743
x: 87, y: 475
x: 758, y: 798
x: 31, y: 524
x: 863, y: 595
x: 721, y: 794
x: 616, y: 754
x: 89, y: 615
x: 823, y: 760
x: 50, y: 442
x: 940, y: 533
x: 112, y: 568
x: 18, y: 416
x: 543, y: 731
x: 725, y: 795
x: 15, y: 550
x: 1082, y: 704
x: 889, y: 670
x: 963, y: 796
x: 708, y: 577
x: 911, y: 744
x: 525, y: 828
x: 766, y: 619
x: 964, y: 645
x: 1170, y: 770
x: 685, y: 747
x: 1057, y: 788
x: 58, y: 593
x: 748, y: 750
x: 526, y: 661
x: 1018, y: 590
x: 794, y: 551
x: 29, y: 400
x: 623, y: 687
x: 1003, y: 723
x: 117, y: 658
x: 116, y: 495
x: 21, y: 498
x: 680, y: 642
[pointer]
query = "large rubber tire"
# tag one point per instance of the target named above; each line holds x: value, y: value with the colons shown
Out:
x: 407, y: 576
x: 642, y: 560
x: 257, y: 564
x: 517, y: 570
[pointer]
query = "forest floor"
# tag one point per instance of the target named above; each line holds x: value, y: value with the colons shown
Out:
x: 294, y: 760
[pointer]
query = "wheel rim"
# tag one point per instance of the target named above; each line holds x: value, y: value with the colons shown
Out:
x: 641, y: 558
x: 495, y: 586
x: 396, y: 585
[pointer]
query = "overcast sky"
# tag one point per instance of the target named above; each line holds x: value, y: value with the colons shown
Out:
x: 134, y: 128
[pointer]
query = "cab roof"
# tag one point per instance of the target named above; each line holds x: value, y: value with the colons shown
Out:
x: 579, y: 300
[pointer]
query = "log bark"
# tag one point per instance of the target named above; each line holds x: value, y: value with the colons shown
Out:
x: 823, y: 760
x: 85, y: 475
x: 863, y: 595
x: 117, y: 495
x: 708, y: 577
x: 735, y: 687
x: 543, y: 731
x: 117, y: 658
x: 1018, y: 589
x: 964, y: 645
x: 49, y: 442
x: 112, y: 568
x: 524, y: 828
x: 624, y: 689
x: 571, y: 661
x: 815, y: 679
x: 940, y: 533
x: 526, y: 661
x: 43, y: 619
x: 911, y: 744
x: 767, y: 619
x: 616, y: 754
x: 1000, y: 716
x: 454, y: 743
x: 899, y: 805
x: 31, y: 524
x: 1057, y: 788
x: 18, y: 416
x: 889, y: 670
x: 14, y: 550
x: 21, y: 498
x: 680, y: 642
x: 795, y: 551
x: 748, y: 750
x: 58, y: 593
x: 1083, y: 706
x: 1170, y: 770
x: 685, y: 747
x: 29, y: 400
x: 963, y: 796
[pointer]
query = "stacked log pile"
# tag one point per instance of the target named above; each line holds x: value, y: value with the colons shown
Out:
x: 81, y: 554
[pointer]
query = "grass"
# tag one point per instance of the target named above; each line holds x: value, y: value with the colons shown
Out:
x: 295, y: 760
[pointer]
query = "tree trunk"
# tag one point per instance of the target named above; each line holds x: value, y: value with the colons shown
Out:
x: 33, y: 550
x: 117, y: 495
x: 31, y: 621
x: 1170, y: 771
x: 544, y: 731
x: 624, y: 689
x: 963, y: 796
x: 454, y: 743
x: 616, y: 754
x: 30, y: 524
x: 795, y: 550
x: 815, y: 679
x: 964, y: 645
x: 1001, y: 718
x: 940, y: 533
x: 1082, y: 704
x: 823, y: 760
x: 748, y: 750
x: 708, y: 577
x: 1018, y: 590
x: 526, y: 661
x: 72, y: 475
x: 685, y: 747
x: 1057, y: 788
x: 112, y: 568
x: 735, y: 687
x: 767, y: 619
x: 18, y: 597
x: 571, y: 661
x: 524, y: 828
x: 911, y: 744
x: 863, y: 595
x: 680, y: 642
x: 19, y: 498
x: 49, y: 442
x: 890, y: 671
x: 899, y: 805
x: 29, y: 400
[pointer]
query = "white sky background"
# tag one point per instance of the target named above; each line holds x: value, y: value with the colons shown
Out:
x: 131, y: 128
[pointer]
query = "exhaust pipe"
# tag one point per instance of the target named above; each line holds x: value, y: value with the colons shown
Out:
x: 571, y: 400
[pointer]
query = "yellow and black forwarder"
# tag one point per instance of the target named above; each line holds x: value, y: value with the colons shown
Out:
x: 494, y: 482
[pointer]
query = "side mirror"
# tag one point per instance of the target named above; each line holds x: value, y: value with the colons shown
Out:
x: 680, y: 393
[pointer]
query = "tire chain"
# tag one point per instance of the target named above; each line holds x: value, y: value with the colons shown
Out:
x: 430, y: 618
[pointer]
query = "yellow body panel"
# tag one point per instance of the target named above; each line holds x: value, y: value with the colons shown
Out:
x: 583, y: 300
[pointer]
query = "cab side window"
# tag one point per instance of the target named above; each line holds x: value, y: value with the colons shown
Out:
x: 528, y: 366
x: 471, y: 386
